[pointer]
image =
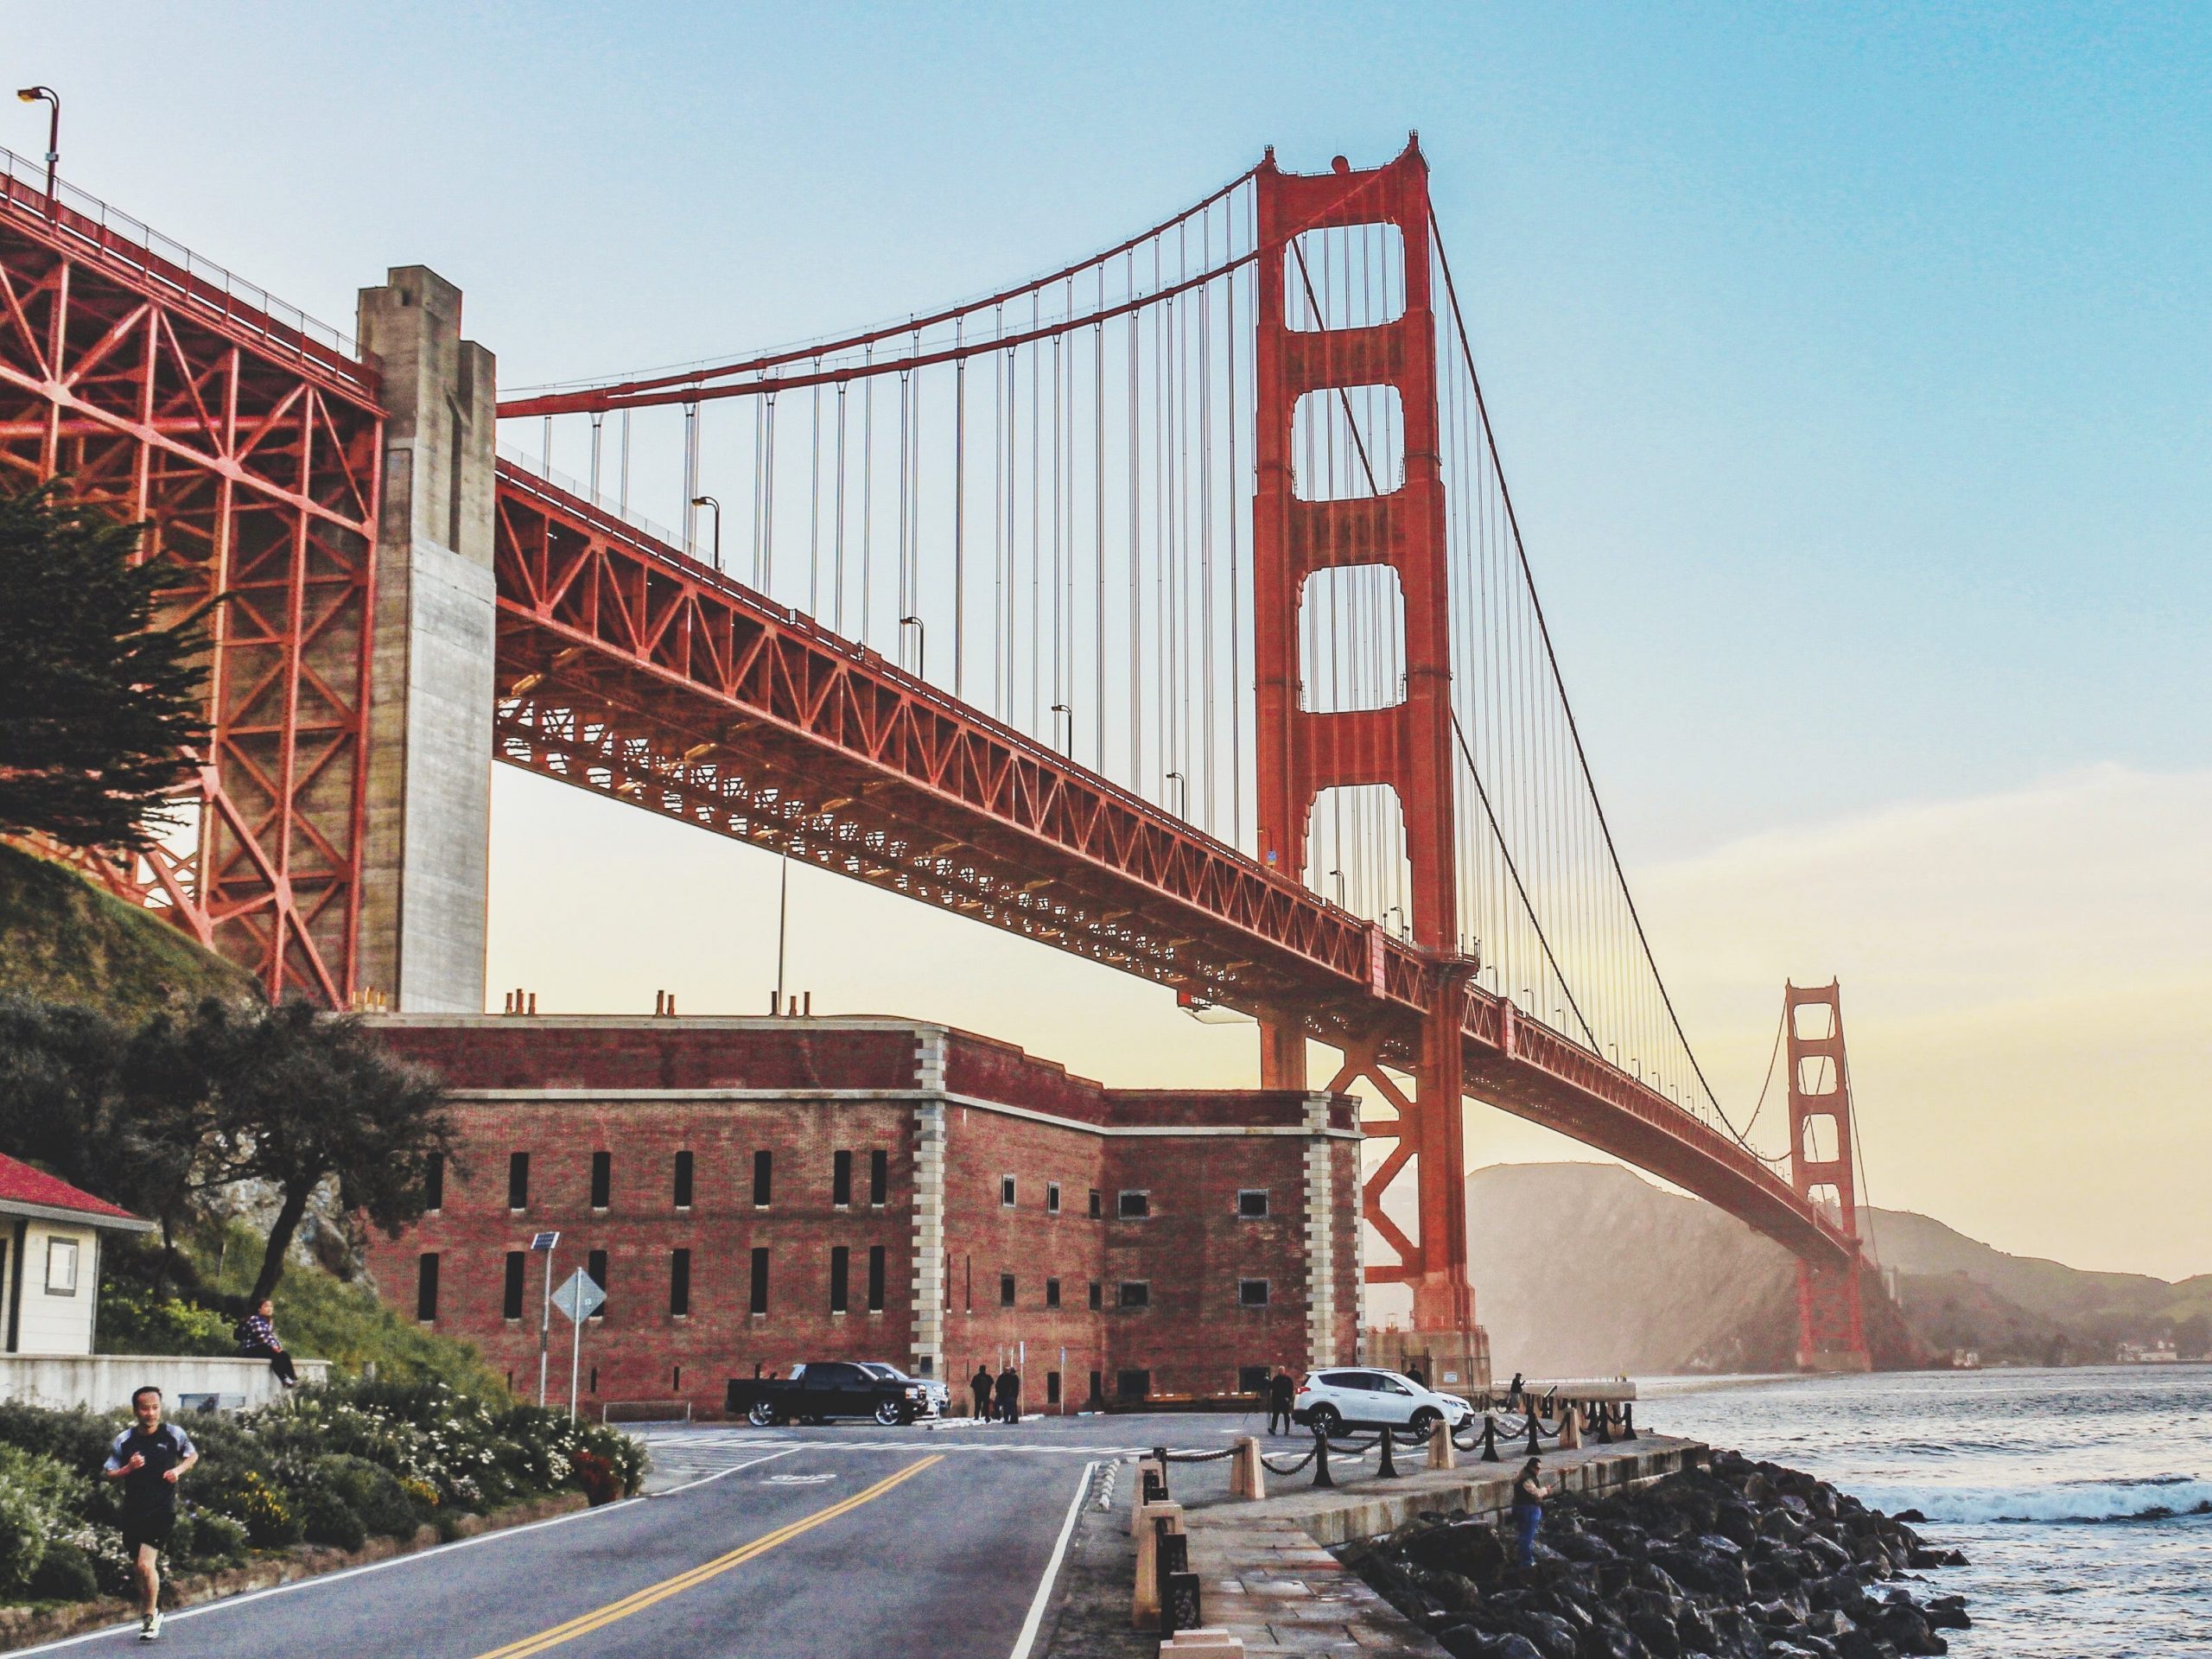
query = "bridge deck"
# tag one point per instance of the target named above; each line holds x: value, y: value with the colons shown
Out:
x: 627, y: 668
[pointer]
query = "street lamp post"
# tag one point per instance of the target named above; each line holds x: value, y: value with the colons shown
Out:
x: 1059, y: 708
x: 1184, y: 811
x: 47, y: 94
x: 921, y: 645
x: 709, y: 501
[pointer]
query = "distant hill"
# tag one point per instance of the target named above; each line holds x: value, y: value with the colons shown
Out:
x: 1583, y: 1268
x: 63, y: 940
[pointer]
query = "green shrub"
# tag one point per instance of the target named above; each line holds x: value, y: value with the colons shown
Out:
x: 270, y: 1521
x: 327, y: 1518
x: 217, y: 1540
x: 66, y: 1573
x: 36, y: 1494
x: 132, y: 1320
x: 373, y: 1494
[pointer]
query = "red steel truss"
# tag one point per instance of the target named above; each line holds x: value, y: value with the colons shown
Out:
x: 630, y: 669
x: 253, y: 449
x: 1831, y: 1325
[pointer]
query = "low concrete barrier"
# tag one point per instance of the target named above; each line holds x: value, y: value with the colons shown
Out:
x: 106, y: 1382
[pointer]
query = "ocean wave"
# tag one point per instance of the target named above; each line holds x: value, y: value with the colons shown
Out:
x: 2151, y: 1497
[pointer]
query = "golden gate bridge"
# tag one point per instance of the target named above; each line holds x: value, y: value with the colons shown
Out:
x: 1169, y: 609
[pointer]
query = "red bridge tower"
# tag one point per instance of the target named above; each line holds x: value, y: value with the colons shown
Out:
x: 1831, y: 1327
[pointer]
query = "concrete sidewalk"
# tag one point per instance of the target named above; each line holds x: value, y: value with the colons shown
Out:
x: 1269, y: 1580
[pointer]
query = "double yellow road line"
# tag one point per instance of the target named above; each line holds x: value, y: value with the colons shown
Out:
x: 599, y: 1618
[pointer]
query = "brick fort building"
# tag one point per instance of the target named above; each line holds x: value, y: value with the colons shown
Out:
x: 756, y: 1193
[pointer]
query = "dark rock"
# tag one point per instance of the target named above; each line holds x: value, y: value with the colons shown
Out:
x: 1656, y: 1632
x: 1913, y: 1516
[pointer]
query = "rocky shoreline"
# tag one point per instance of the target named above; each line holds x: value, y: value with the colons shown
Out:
x: 1735, y: 1560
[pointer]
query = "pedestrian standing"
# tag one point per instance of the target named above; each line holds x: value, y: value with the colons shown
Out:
x: 1009, y: 1392
x: 1529, y: 1495
x: 1513, y: 1393
x: 1281, y: 1393
x: 1413, y: 1373
x: 980, y: 1386
x: 256, y: 1335
x: 148, y: 1459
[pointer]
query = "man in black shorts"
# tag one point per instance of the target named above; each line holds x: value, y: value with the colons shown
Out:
x: 147, y: 1458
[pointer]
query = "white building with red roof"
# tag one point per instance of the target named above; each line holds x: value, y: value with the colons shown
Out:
x: 50, y: 1260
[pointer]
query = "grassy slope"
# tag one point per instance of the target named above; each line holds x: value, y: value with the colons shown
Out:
x: 63, y: 940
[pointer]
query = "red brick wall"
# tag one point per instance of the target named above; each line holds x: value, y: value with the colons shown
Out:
x: 1193, y: 1250
x: 639, y: 1346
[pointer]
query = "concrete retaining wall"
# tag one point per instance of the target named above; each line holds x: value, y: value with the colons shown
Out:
x: 106, y: 1382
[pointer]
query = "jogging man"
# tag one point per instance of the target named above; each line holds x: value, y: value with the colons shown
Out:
x: 148, y: 1459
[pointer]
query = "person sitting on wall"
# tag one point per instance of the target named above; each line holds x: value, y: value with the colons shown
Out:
x: 980, y: 1386
x: 256, y: 1335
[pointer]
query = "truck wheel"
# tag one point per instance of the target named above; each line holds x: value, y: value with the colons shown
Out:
x: 762, y: 1415
x: 890, y: 1412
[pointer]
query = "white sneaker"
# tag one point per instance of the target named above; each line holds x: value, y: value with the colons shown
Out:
x: 151, y: 1628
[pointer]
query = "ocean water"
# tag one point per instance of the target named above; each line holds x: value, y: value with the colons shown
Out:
x: 2084, y: 1498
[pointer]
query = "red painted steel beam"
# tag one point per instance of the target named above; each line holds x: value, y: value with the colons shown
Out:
x: 253, y: 452
x: 629, y: 669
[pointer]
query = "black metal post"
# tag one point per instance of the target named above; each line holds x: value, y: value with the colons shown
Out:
x: 1536, y: 1425
x: 1321, y: 1459
x: 1388, y: 1469
x: 1604, y: 1423
x: 1489, y: 1438
x: 1628, y: 1421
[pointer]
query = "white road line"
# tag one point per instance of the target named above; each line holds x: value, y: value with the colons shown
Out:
x: 1043, y: 1599
x: 226, y: 1603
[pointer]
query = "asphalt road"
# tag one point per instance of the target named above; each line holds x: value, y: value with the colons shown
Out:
x: 845, y: 1543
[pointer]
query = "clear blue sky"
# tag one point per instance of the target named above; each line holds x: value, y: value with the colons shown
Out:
x: 1853, y: 364
x: 1852, y: 367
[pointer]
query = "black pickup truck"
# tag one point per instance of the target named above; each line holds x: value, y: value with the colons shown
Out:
x: 817, y: 1392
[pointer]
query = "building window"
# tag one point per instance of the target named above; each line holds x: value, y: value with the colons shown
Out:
x: 1253, y: 1379
x: 1005, y: 1190
x: 1094, y: 1203
x: 1052, y: 1197
x: 878, y: 1177
x: 434, y: 1183
x: 1252, y: 1204
x: 841, y: 1179
x: 61, y: 1266
x: 840, y: 1270
x: 1052, y: 1292
x: 1097, y: 1295
x: 875, y: 1278
x: 1251, y: 1292
x: 1006, y: 1290
x: 1052, y: 1388
x: 595, y: 1265
x: 1133, y: 1385
x: 759, y: 1301
x: 511, y: 1303
x: 517, y: 1180
x: 426, y: 1286
x: 1134, y: 1206
x: 683, y: 1180
x: 763, y: 1169
x: 1136, y: 1292
x: 602, y: 1179
x: 679, y: 1284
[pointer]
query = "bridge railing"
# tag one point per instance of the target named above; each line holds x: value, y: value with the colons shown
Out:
x: 76, y: 217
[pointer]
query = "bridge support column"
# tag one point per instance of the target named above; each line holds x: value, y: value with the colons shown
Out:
x: 1831, y: 1323
x: 425, y: 863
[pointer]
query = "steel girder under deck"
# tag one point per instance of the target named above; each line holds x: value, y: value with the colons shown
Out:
x: 253, y: 452
x: 630, y: 669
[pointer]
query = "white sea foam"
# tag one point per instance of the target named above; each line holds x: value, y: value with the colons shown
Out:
x: 2087, y: 1500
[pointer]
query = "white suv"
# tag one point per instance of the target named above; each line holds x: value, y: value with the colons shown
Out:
x: 1363, y: 1398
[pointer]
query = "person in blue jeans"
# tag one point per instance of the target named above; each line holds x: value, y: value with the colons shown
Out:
x: 1529, y: 1495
